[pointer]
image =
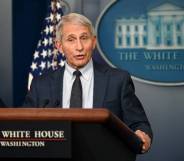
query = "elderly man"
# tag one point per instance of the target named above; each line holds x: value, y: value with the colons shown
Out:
x: 84, y: 83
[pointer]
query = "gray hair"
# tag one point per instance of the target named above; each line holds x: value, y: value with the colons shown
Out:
x: 76, y: 19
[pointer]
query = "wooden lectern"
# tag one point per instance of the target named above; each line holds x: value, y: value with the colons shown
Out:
x: 96, y: 134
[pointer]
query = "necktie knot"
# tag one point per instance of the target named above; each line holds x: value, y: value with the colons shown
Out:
x: 77, y: 73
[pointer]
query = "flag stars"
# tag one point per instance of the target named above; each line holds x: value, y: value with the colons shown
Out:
x: 43, y: 65
x: 39, y: 43
x: 44, y: 53
x: 50, y: 41
x: 48, y: 64
x: 47, y: 19
x: 54, y: 64
x: 58, y: 5
x: 58, y: 17
x: 51, y: 28
x: 62, y: 63
x: 52, y: 5
x: 46, y: 30
x: 36, y: 54
x: 49, y: 53
x: 45, y: 42
x: 51, y: 17
x: 34, y: 66
x: 55, y: 52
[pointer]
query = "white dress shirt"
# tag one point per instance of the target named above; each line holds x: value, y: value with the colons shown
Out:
x: 87, y: 80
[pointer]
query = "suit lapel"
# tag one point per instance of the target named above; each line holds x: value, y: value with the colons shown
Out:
x: 57, y: 87
x: 100, y: 85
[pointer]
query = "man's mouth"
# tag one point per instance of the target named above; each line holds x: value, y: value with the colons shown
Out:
x: 80, y: 56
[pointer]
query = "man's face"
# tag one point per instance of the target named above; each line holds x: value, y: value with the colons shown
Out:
x: 77, y: 44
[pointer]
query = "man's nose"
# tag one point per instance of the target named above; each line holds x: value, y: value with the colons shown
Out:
x: 79, y: 45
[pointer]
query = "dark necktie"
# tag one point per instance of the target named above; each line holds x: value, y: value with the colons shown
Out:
x: 76, y: 93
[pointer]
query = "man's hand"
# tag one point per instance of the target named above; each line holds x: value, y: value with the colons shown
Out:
x: 145, y: 139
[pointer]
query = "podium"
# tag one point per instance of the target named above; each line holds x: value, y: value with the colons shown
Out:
x: 94, y: 134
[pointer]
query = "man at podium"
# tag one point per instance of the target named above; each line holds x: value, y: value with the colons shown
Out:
x: 82, y: 82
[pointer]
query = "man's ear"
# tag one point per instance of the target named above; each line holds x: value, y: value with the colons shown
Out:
x: 94, y: 42
x: 58, y: 45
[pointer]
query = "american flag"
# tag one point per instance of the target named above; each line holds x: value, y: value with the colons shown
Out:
x: 46, y: 56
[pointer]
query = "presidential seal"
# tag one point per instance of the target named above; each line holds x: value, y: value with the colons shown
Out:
x: 144, y: 37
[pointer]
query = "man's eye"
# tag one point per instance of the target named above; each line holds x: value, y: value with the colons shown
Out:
x: 84, y: 38
x: 70, y: 39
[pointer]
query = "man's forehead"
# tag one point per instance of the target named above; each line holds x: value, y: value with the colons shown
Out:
x: 75, y: 30
x: 77, y: 34
x: 71, y: 26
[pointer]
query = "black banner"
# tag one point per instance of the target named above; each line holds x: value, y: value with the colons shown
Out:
x: 35, y: 139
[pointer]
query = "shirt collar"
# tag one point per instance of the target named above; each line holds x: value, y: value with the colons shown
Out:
x: 87, y: 70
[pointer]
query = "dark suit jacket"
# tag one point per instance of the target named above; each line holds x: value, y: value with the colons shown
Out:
x: 113, y: 89
x: 2, y: 103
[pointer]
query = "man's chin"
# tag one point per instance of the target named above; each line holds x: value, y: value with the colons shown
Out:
x: 80, y: 65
